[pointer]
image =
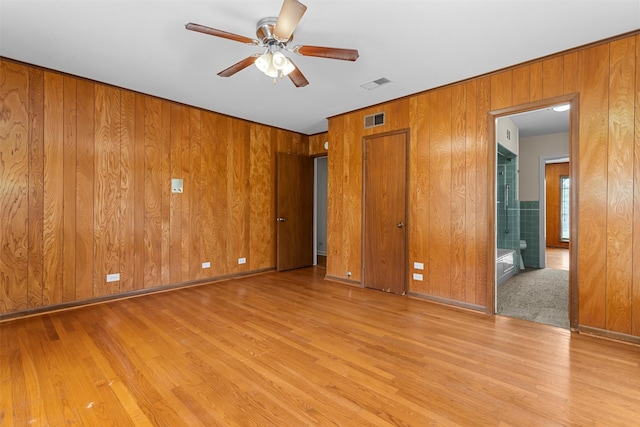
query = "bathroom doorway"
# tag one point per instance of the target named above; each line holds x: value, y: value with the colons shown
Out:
x: 525, y: 287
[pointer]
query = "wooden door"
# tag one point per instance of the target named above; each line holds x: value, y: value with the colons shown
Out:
x: 294, y: 209
x: 385, y: 213
x: 553, y: 177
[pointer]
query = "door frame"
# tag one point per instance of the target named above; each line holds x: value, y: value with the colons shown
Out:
x: 543, y: 202
x: 407, y: 134
x: 492, y: 116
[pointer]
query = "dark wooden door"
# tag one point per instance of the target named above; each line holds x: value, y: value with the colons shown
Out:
x: 294, y: 209
x: 553, y: 177
x: 384, y: 213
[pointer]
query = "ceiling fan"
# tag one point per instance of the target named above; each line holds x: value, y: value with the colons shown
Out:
x: 274, y: 34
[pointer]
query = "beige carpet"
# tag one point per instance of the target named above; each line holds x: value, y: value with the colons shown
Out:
x: 540, y: 295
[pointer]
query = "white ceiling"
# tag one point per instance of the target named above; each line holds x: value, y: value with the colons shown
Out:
x: 142, y: 45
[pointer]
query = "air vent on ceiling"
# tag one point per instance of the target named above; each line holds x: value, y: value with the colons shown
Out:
x: 375, y: 83
x: 373, y: 120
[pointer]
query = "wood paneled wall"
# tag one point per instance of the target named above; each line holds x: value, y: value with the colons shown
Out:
x: 451, y: 179
x: 316, y: 144
x: 85, y: 190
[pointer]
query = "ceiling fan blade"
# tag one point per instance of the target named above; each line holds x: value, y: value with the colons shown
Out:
x: 238, y: 66
x: 219, y: 33
x: 290, y: 15
x: 327, y: 52
x: 297, y: 77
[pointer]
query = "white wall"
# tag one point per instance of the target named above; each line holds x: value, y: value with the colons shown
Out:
x: 507, y: 134
x: 531, y: 149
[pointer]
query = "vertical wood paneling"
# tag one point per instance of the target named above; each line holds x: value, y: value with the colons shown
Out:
x: 482, y: 185
x: 225, y: 157
x: 316, y: 144
x: 219, y: 179
x: 335, y: 168
x: 620, y: 185
x: 261, y: 206
x: 635, y: 298
x: 552, y: 77
x: 471, y: 205
x: 152, y: 192
x: 139, y: 186
x: 36, y: 188
x: 85, y: 150
x: 209, y: 192
x: 352, y: 201
x: 107, y: 189
x: 458, y: 192
x: 53, y: 187
x: 501, y: 86
x: 14, y: 186
x: 535, y: 81
x: 165, y: 191
x: 195, y: 196
x: 419, y: 188
x: 521, y: 88
x: 570, y: 73
x: 592, y: 170
x: 240, y: 189
x: 127, y: 206
x: 69, y: 190
x: 440, y: 193
x: 175, y: 199
x: 185, y: 174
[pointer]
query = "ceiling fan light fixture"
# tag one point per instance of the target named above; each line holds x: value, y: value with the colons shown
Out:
x: 279, y: 60
x: 263, y: 62
x: 271, y: 71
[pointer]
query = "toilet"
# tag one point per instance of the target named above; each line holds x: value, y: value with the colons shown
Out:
x: 523, y: 246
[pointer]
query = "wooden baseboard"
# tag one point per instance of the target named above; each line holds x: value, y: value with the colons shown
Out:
x: 448, y: 302
x: 343, y: 280
x: 610, y: 335
x: 132, y: 294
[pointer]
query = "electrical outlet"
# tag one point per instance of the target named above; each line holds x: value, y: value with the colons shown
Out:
x: 206, y: 265
x: 113, y: 277
x: 242, y: 260
x: 417, y: 276
x: 418, y: 265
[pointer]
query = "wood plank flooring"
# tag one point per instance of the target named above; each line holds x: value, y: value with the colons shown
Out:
x: 557, y: 258
x: 292, y: 349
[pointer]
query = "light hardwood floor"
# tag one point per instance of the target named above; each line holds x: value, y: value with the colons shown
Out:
x: 292, y: 349
x: 557, y: 258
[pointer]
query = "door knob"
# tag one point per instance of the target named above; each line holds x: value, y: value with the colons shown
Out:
x: 281, y: 219
x: 400, y: 224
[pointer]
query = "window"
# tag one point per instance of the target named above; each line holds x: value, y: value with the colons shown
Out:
x: 564, y: 208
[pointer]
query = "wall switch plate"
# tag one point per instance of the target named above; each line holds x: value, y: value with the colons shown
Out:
x: 206, y: 265
x: 242, y: 260
x: 176, y: 185
x: 418, y: 265
x: 113, y: 277
x: 417, y: 276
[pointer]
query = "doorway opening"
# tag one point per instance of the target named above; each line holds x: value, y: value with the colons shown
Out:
x: 320, y: 193
x: 532, y: 147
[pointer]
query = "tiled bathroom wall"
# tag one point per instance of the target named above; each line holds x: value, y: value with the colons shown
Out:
x: 508, y: 232
x: 530, y: 231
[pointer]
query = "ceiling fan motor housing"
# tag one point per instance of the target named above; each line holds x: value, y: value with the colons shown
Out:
x: 265, y: 32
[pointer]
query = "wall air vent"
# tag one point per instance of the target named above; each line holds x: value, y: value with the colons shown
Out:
x: 373, y: 120
x: 375, y: 83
